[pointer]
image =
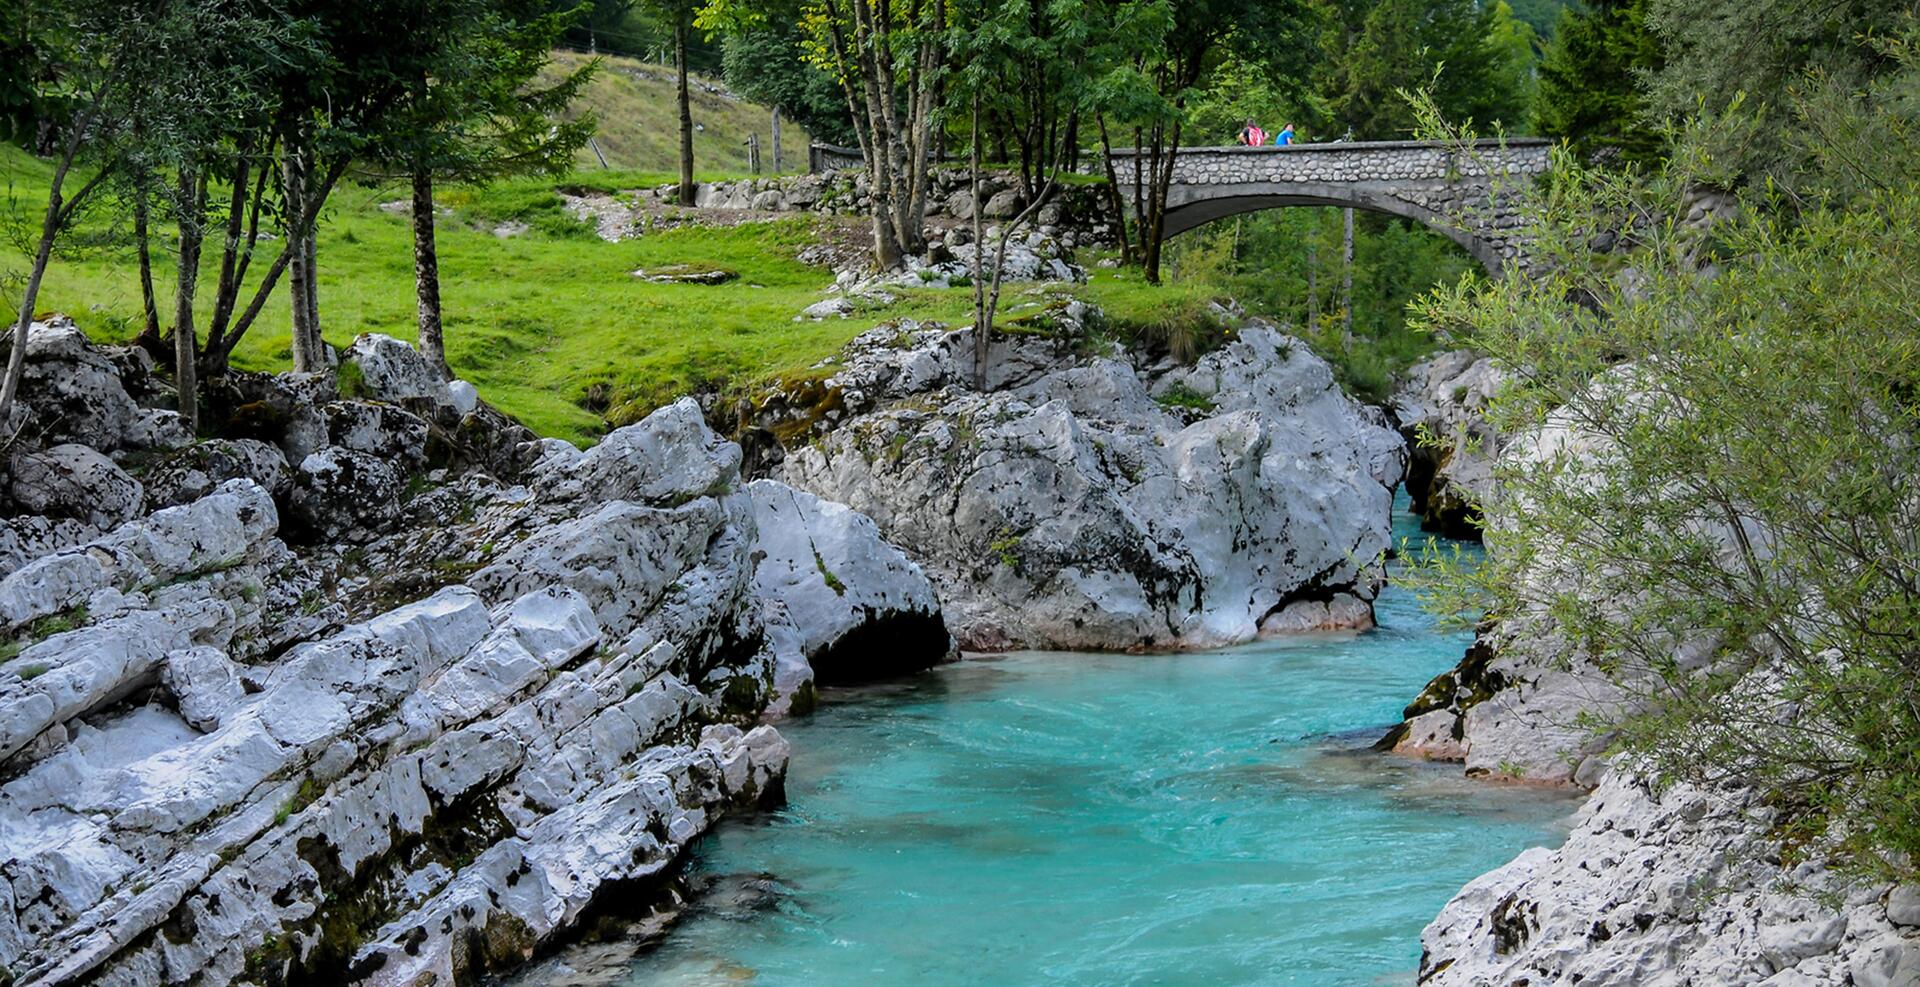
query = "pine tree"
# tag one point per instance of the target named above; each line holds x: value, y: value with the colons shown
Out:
x: 1593, y: 81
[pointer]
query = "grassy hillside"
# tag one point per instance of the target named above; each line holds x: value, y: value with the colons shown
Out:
x: 639, y: 117
x: 549, y: 324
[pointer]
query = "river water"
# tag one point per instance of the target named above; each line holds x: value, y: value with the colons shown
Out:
x: 1103, y: 819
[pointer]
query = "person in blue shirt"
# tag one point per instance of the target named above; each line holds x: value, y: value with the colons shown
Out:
x: 1284, y: 137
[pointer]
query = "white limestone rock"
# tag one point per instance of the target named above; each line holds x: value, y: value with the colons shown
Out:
x: 76, y: 672
x: 75, y: 481
x: 194, y: 472
x: 669, y: 458
x: 395, y: 372
x: 1450, y: 476
x: 346, y: 495
x: 1683, y: 888
x: 71, y: 393
x: 384, y: 431
x: 1067, y: 508
x: 205, y: 683
x: 157, y: 429
x: 462, y: 397
x: 210, y: 533
x: 206, y: 778
x: 854, y: 606
x: 29, y: 536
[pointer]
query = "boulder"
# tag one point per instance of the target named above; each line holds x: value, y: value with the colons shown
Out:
x: 157, y: 429
x: 345, y: 495
x: 29, y: 536
x: 205, y: 684
x: 462, y: 396
x: 392, y: 371
x: 75, y: 481
x: 194, y: 472
x: 1682, y: 887
x: 668, y: 458
x: 384, y: 431
x: 1440, y: 406
x: 1068, y: 508
x: 283, y: 410
x: 71, y: 392
x: 167, y: 545
x: 1004, y: 205
x: 854, y: 606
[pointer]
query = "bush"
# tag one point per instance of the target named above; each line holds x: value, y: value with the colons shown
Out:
x: 1728, y: 530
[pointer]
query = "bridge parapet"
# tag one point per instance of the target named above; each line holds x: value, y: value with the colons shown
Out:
x: 1469, y: 196
x: 1352, y: 161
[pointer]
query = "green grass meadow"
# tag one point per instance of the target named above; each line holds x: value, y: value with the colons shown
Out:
x: 550, y: 325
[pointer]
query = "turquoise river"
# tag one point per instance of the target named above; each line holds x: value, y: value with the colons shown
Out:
x: 1041, y: 818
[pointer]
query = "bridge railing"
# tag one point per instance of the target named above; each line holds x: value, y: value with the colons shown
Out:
x: 1343, y: 161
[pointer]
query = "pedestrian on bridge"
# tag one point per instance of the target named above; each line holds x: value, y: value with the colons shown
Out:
x: 1251, y: 135
x: 1284, y: 137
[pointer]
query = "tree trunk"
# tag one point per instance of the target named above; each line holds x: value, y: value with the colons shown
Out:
x: 1165, y: 152
x: 1114, y: 199
x: 1313, y: 284
x: 896, y: 149
x: 307, y: 354
x: 686, y: 110
x: 50, y: 224
x: 17, y: 360
x: 193, y: 197
x: 1346, y: 287
x: 310, y: 243
x: 220, y: 351
x: 237, y: 257
x: 982, y: 326
x: 228, y: 287
x: 149, y: 338
x: 426, y: 274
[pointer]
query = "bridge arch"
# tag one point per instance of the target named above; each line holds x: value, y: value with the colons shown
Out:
x: 1468, y: 197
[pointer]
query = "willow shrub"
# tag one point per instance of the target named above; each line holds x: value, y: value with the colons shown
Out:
x: 1739, y: 546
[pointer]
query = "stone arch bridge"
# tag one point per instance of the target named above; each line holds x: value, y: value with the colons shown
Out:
x: 1468, y: 195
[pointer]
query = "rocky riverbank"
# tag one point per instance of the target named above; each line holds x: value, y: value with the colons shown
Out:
x: 370, y: 685
x: 1681, y: 885
x: 1091, y: 498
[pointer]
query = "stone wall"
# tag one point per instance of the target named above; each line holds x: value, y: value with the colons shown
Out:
x: 1470, y: 196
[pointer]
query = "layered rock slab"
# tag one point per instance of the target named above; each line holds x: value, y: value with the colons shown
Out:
x: 414, y: 758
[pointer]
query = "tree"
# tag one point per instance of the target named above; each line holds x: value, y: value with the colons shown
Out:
x: 1160, y: 54
x: 1024, y: 62
x: 1717, y: 53
x: 1464, y: 52
x: 473, y: 115
x: 159, y: 72
x: 767, y: 63
x: 105, y: 86
x: 679, y: 15
x: 888, y: 57
x: 1593, y: 78
x: 1719, y: 519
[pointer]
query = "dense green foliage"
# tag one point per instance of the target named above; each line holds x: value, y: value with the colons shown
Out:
x: 1592, y: 78
x: 767, y: 64
x: 1286, y: 264
x: 1719, y: 507
x: 1476, y: 59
